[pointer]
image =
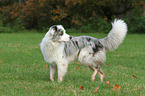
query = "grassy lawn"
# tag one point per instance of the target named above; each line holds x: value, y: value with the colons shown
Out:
x: 23, y: 70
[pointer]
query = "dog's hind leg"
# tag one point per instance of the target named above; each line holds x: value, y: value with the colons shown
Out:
x: 101, y: 75
x: 62, y: 69
x: 94, y: 73
x: 52, y: 71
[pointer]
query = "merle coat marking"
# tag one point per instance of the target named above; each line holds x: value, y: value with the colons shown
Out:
x: 59, y: 49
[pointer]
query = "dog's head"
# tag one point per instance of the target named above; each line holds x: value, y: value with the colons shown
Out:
x: 58, y: 33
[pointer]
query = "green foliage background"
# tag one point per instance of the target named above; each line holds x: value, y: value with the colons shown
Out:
x: 80, y: 15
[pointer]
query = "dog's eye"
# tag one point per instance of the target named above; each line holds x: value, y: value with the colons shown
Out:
x: 61, y: 33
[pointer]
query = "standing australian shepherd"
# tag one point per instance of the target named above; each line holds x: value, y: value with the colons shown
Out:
x: 59, y: 49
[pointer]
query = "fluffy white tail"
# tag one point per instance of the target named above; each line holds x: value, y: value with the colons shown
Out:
x: 115, y: 36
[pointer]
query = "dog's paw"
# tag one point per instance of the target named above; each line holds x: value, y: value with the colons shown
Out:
x: 60, y: 79
x: 52, y: 79
x: 93, y: 78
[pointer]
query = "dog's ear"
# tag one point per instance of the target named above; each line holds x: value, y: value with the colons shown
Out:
x: 53, y: 29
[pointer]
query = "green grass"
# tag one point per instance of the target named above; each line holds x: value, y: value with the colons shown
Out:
x: 23, y: 70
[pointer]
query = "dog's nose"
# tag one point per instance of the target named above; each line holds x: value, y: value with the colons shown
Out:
x: 70, y: 37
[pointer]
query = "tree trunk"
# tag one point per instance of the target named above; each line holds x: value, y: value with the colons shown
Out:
x: 20, y: 1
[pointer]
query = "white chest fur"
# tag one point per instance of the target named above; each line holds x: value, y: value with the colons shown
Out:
x: 52, y: 51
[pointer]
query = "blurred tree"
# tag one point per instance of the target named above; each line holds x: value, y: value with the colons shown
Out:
x: 20, y: 1
x: 112, y: 8
x: 70, y: 13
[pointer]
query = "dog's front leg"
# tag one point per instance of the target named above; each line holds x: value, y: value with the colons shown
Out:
x: 62, y: 69
x: 52, y: 71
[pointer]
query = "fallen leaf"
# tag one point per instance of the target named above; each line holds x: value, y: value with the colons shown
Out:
x: 96, y: 90
x: 1, y: 62
x: 25, y: 87
x: 116, y: 88
x: 81, y: 87
x: 108, y: 83
x: 108, y: 65
x: 79, y: 68
x: 46, y: 65
x: 113, y: 88
x: 78, y: 63
x: 1, y: 51
x: 133, y: 76
x: 0, y: 48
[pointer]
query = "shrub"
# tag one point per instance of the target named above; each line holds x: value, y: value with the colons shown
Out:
x: 3, y: 29
x: 85, y: 15
x: 11, y: 29
x: 136, y: 21
x: 138, y: 26
x: 98, y: 24
x: 72, y: 30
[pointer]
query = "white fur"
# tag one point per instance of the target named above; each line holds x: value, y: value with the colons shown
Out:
x: 53, y: 51
x: 88, y: 59
x: 53, y: 54
x: 116, y: 35
x: 65, y: 36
